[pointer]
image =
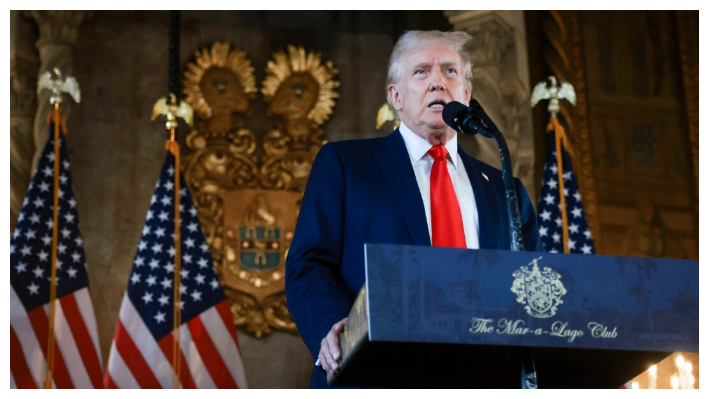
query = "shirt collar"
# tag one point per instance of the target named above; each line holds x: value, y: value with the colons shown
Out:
x: 418, y: 147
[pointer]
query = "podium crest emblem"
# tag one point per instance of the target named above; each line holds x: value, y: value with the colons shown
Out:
x: 539, y: 290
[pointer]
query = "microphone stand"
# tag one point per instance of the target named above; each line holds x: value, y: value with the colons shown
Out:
x: 485, y: 126
x: 491, y: 131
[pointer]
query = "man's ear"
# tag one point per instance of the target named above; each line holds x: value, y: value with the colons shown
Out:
x: 395, y: 97
x: 468, y: 96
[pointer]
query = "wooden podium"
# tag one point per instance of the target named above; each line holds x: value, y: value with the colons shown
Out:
x: 457, y: 318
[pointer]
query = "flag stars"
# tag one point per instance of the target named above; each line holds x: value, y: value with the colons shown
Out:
x: 554, y: 169
x: 38, y: 271
x: 38, y: 203
x: 214, y: 283
x: 163, y: 216
x: 135, y: 278
x: 192, y: 227
x: 189, y: 243
x: 142, y: 245
x: 577, y: 195
x: 147, y: 298
x: 21, y: 267
x: 586, y: 249
x: 543, y: 231
x: 66, y: 232
x: 65, y: 164
x: 572, y: 244
x: 34, y: 288
x: 160, y: 232
x: 47, y: 239
x: 59, y: 264
x: 30, y: 234
x: 576, y: 212
x: 187, y: 258
x: 587, y: 233
x: 48, y: 171
x: 574, y: 228
x: 196, y: 295
x: 50, y: 156
x: 152, y: 200
x: 44, y: 186
x: 184, y: 273
x: 12, y: 249
x: 34, y: 218
x: 164, y: 300
x: 69, y: 217
x: 72, y: 203
x: 204, y: 247
x: 72, y: 272
x: 202, y: 263
x: 552, y: 183
x: 169, y: 268
x: 151, y: 280
x: 549, y: 199
x: 146, y: 230
x: 154, y: 264
x: 183, y: 192
x: 171, y: 170
x: 566, y: 192
x: 139, y: 261
x: 556, y: 237
x: 199, y: 279
x: 49, y: 223
x: 193, y: 211
x: 558, y: 221
x: 26, y: 250
x: 171, y: 251
x: 61, y: 248
x: 16, y: 233
x: 166, y: 200
x: 78, y: 241
x: 150, y: 215
x: 157, y: 248
x: 43, y: 256
x: 63, y: 179
x: 168, y: 186
x: 76, y: 257
x: 166, y: 283
x: 567, y: 175
x: 160, y: 317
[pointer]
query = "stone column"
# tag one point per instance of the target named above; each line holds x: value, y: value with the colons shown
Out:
x: 58, y: 31
x: 501, y: 85
x: 23, y: 103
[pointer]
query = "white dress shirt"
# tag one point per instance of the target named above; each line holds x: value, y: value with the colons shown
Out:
x: 422, y: 163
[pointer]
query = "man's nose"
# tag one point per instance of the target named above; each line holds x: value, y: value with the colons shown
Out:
x: 436, y: 80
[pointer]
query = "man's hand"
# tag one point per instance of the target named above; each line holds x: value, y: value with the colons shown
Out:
x: 330, y: 347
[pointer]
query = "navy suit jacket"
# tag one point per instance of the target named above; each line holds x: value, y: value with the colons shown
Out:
x: 365, y: 191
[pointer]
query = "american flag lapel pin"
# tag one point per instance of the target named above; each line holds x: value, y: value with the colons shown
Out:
x: 485, y: 176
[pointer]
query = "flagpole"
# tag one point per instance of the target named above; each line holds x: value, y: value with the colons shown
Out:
x: 174, y: 148
x: 560, y: 138
x: 56, y: 119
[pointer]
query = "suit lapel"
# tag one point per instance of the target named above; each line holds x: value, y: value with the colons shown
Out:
x: 484, y: 201
x: 395, y: 164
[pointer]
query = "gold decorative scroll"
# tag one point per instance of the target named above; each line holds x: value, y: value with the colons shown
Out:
x: 248, y: 207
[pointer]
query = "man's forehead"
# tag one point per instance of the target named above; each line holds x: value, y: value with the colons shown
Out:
x: 432, y: 53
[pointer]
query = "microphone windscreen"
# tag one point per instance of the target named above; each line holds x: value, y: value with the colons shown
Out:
x: 450, y: 111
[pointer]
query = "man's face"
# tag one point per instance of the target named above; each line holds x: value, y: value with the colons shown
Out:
x: 432, y: 76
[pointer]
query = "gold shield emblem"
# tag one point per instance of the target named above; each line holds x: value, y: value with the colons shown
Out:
x: 540, y: 291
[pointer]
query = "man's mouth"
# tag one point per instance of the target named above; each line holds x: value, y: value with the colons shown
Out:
x: 437, y: 104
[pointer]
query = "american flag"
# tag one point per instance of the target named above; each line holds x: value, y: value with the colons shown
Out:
x: 550, y: 223
x: 77, y: 357
x: 141, y: 352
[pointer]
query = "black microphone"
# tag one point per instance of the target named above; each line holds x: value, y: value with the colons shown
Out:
x: 463, y: 119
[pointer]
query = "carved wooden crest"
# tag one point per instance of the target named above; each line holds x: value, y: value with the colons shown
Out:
x: 248, y: 206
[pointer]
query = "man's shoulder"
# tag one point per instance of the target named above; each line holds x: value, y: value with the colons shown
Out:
x: 356, y: 146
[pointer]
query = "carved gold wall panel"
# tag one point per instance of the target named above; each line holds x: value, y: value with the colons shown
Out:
x: 248, y: 206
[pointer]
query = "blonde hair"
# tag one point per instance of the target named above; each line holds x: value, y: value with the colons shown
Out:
x: 417, y: 38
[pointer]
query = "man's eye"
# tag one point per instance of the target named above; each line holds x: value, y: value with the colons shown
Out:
x: 419, y: 72
x: 451, y: 70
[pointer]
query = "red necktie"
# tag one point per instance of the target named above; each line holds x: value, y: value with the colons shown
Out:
x: 446, y: 221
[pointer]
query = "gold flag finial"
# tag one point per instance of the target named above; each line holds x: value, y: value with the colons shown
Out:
x: 386, y: 114
x: 172, y: 110
x: 553, y: 93
x: 55, y: 81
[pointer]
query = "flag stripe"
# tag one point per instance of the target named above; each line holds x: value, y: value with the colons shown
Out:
x: 28, y: 341
x: 214, y: 363
x: 18, y: 366
x: 197, y: 363
x: 108, y: 382
x: 67, y: 345
x: 144, y: 340
x: 134, y: 359
x: 228, y: 320
x: 119, y: 370
x: 86, y: 309
x: 83, y: 339
x: 185, y: 377
x: 40, y: 323
x: 219, y: 325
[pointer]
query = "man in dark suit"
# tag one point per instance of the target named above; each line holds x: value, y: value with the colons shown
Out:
x: 415, y: 186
